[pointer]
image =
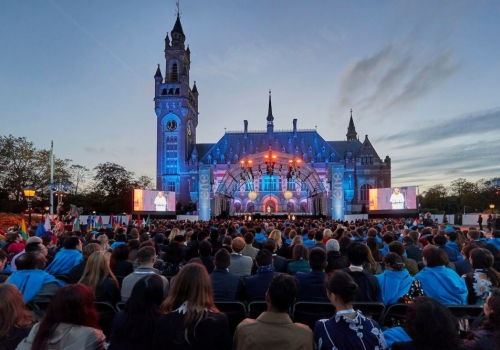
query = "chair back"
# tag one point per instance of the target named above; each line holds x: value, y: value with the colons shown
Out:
x: 308, y: 312
x: 372, y: 310
x: 236, y: 311
x: 255, y: 308
x: 107, y: 313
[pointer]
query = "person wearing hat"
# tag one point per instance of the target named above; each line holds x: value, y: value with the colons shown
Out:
x: 335, y: 260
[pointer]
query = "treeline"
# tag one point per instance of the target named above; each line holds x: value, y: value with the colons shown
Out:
x: 474, y: 197
x: 107, y: 188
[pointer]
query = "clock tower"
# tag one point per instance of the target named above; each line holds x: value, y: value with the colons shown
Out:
x: 176, y: 108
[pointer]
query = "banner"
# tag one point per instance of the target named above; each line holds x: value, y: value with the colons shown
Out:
x: 338, y: 192
x: 204, y: 193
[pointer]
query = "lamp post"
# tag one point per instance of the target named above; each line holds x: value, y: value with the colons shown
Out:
x: 492, y: 206
x: 46, y: 208
x: 29, y: 193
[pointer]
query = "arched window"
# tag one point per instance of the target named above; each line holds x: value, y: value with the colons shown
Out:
x: 177, y: 91
x: 164, y: 91
x: 171, y: 91
x: 364, y: 192
x: 174, y: 76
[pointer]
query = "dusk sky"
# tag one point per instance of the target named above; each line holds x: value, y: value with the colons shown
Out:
x: 422, y: 77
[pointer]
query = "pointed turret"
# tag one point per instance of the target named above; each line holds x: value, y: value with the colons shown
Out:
x: 177, y: 32
x: 351, y: 130
x: 270, y: 118
x: 167, y: 42
x: 194, y: 90
x: 158, y: 76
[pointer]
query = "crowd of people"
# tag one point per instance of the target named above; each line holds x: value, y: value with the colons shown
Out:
x: 168, y: 278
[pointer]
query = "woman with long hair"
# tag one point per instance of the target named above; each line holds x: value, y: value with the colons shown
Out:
x: 488, y: 335
x: 348, y: 328
x: 191, y: 321
x: 104, y: 240
x: 77, y: 271
x: 101, y: 280
x: 483, y: 277
x: 15, y: 319
x: 175, y: 231
x: 133, y: 247
x: 431, y: 326
x: 134, y: 327
x: 70, y: 322
x: 300, y: 260
x: 372, y: 243
x: 281, y: 248
x: 119, y: 263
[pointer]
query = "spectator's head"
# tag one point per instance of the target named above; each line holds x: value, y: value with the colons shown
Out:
x: 407, y: 240
x: 433, y: 256
x: 437, y: 332
x: 387, y: 238
x: 120, y: 253
x: 205, y: 248
x: 159, y: 238
x: 300, y: 252
x: 97, y: 267
x: 270, y: 244
x: 227, y: 241
x: 317, y: 259
x: 276, y: 236
x: 147, y: 294
x: 222, y: 259
x: 496, y: 233
x: 35, y: 247
x: 237, y: 244
x: 332, y: 245
x: 414, y: 235
x: 12, y: 309
x: 344, y: 242
x: 120, y: 237
x: 72, y: 243
x: 327, y: 233
x: 340, y: 288
x: 297, y: 240
x: 31, y: 261
x: 91, y: 248
x: 440, y: 240
x: 492, y: 310
x: 3, y: 260
x: 318, y: 236
x: 468, y: 248
x: 481, y: 258
x: 397, y: 247
x: 264, y: 258
x: 452, y: 236
x: 134, y: 234
x: 249, y: 238
x: 73, y: 304
x: 393, y: 261
x: 146, y: 256
x: 474, y: 235
x: 282, y: 292
x: 357, y: 253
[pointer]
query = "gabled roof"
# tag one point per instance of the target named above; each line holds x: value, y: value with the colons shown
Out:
x: 367, y: 149
x: 178, y: 26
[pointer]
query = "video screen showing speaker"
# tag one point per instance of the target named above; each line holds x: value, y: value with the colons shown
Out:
x: 394, y: 198
x: 145, y: 200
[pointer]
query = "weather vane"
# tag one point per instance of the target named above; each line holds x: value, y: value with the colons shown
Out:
x: 178, y: 10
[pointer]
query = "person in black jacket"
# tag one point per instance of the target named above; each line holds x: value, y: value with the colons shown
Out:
x: 191, y: 320
x: 368, y: 286
x: 226, y: 286
x: 119, y: 263
x: 335, y: 260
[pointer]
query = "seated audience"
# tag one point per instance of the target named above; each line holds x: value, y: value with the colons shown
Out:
x: 312, y: 283
x: 495, y: 239
x: 3, y: 264
x: 488, y: 335
x: 191, y: 320
x: 273, y: 329
x: 32, y: 281
x: 453, y: 255
x: 173, y: 259
x: 240, y: 264
x: 249, y: 250
x: 98, y: 277
x: 279, y: 262
x: 318, y: 237
x: 70, y: 322
x: 204, y: 250
x: 368, y: 286
x: 348, y: 328
x: 147, y: 258
x: 256, y: 286
x: 410, y: 264
x: 335, y: 260
x: 439, y: 281
x: 15, y: 321
x: 119, y: 263
x: 70, y: 255
x: 412, y: 251
x: 33, y: 241
x: 463, y: 267
x: 226, y: 286
x: 133, y: 328
x: 483, y: 277
x: 396, y: 284
x: 299, y: 263
x: 76, y: 272
x: 431, y: 326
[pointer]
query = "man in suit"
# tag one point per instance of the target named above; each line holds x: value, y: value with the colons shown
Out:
x: 227, y: 286
x: 256, y: 286
x: 240, y: 264
x: 312, y: 284
x: 280, y: 263
x: 273, y: 329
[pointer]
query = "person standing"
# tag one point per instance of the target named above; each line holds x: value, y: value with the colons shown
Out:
x: 397, y: 199
x: 480, y: 222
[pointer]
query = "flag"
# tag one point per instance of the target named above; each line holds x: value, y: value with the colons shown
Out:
x: 143, y: 223
x: 148, y: 223
x: 40, y: 230
x: 116, y: 222
x: 76, y: 224
x: 138, y: 220
x: 90, y: 227
x: 110, y: 221
x: 24, y: 229
x: 47, y: 223
x: 98, y: 224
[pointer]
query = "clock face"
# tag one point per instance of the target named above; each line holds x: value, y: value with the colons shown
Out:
x: 171, y: 125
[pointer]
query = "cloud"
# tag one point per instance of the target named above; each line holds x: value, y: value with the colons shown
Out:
x: 99, y: 151
x: 394, y: 78
x: 475, y: 123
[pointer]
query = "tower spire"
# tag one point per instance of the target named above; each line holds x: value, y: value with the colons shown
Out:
x: 270, y: 118
x: 351, y: 130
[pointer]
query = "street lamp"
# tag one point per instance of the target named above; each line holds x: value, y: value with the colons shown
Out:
x: 492, y: 206
x: 46, y: 208
x: 29, y: 193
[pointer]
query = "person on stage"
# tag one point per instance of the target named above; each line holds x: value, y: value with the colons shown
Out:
x: 397, y: 199
x: 161, y: 202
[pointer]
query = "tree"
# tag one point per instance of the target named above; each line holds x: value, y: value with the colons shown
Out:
x: 145, y: 182
x: 112, y: 189
x: 434, y: 197
x: 79, y: 175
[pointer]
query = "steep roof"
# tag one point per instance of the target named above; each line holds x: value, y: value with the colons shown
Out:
x: 178, y: 27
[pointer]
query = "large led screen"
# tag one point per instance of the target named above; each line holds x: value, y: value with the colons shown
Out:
x: 395, y: 198
x: 145, y: 200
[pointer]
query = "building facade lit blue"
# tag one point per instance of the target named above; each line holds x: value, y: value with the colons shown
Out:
x: 333, y: 179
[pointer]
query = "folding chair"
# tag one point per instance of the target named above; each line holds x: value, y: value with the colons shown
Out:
x: 372, y: 310
x: 309, y: 312
x: 120, y: 306
x: 398, y: 311
x: 255, y: 308
x: 236, y: 311
x: 106, y: 314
